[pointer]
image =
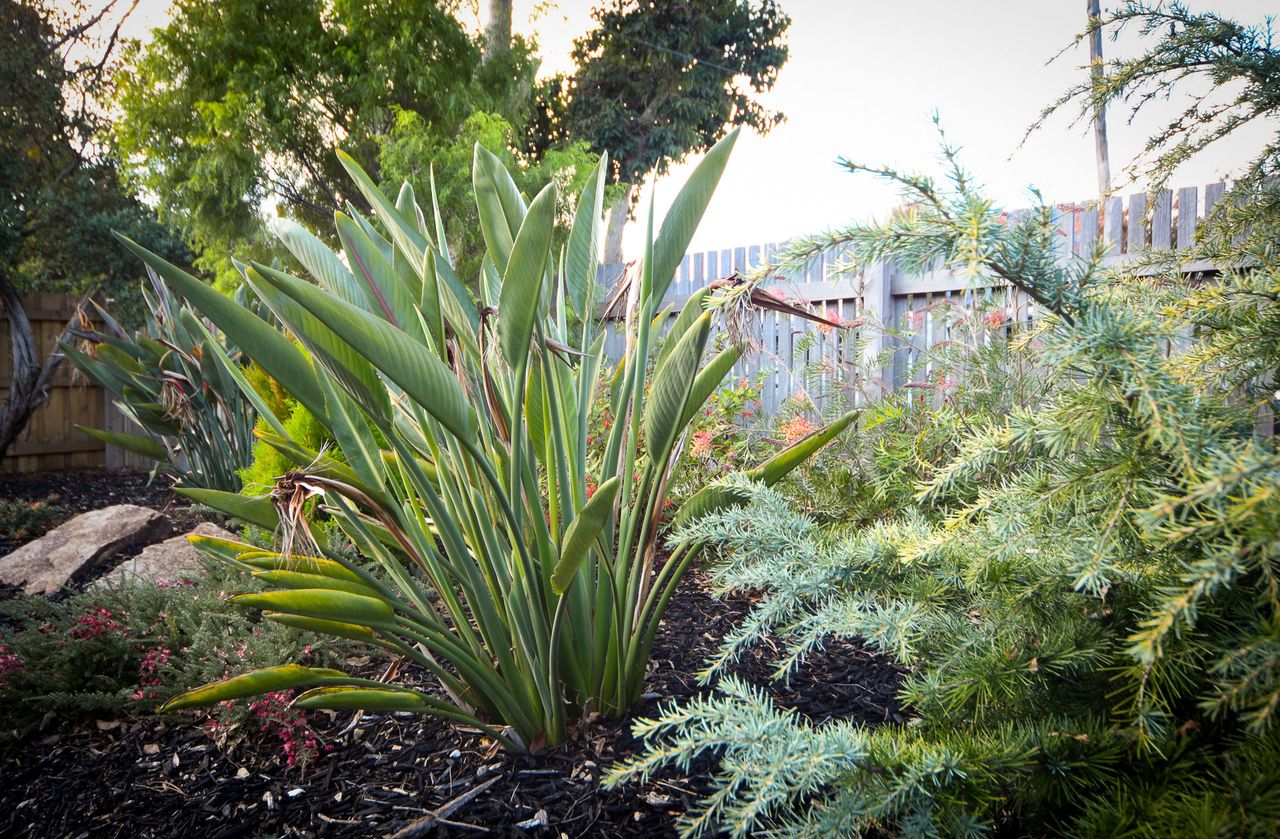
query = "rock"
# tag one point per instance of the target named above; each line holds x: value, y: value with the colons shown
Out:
x: 50, y: 562
x: 167, y: 561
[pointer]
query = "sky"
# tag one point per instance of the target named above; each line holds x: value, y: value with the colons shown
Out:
x: 862, y: 81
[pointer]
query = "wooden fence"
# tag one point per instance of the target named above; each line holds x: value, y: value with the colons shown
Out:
x: 51, y: 440
x: 794, y: 355
x: 896, y: 317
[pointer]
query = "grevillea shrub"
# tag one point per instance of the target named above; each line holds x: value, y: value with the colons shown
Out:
x: 105, y: 651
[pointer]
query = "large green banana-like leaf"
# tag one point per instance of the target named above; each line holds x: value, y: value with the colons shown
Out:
x: 686, y: 212
x: 394, y: 300
x: 256, y: 511
x: 776, y: 468
x: 322, y: 263
x: 408, y: 363
x: 227, y: 550
x: 262, y: 342
x: 347, y: 365
x: 583, y: 532
x: 499, y: 202
x: 136, y: 443
x: 692, y: 310
x: 518, y: 304
x: 665, y: 406
x: 708, y: 380
x: 233, y: 371
x: 289, y: 578
x: 388, y: 699
x: 321, y: 603
x: 405, y: 234
x: 284, y: 677
x: 311, y: 565
x: 583, y: 251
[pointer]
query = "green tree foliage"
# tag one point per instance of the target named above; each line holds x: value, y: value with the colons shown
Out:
x: 237, y: 104
x: 655, y: 82
x: 59, y: 192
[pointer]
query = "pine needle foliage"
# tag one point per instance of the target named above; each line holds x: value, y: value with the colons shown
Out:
x: 1085, y: 589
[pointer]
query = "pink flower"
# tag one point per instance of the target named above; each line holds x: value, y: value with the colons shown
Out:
x: 701, y: 444
x: 9, y: 663
x: 93, y: 624
x: 796, y: 429
x: 995, y: 319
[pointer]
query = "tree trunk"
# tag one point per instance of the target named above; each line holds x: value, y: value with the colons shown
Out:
x: 30, y: 380
x: 497, y: 31
x: 1100, y: 112
x: 619, y: 211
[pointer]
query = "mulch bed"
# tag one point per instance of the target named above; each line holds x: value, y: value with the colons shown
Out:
x: 72, y: 493
x: 143, y: 777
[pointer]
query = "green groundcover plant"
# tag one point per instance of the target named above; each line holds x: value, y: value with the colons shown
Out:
x: 463, y: 482
x: 113, y: 650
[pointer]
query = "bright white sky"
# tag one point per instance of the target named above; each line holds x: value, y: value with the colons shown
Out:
x: 862, y: 80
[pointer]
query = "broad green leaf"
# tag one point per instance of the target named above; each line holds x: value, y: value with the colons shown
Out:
x: 233, y: 370
x: 686, y: 212
x: 709, y: 499
x: 499, y: 203
x: 582, y: 258
x: 708, y: 381
x: 320, y: 603
x: 776, y: 468
x: 394, y: 300
x: 664, y: 407
x: 311, y: 565
x: 258, y: 339
x: 408, y: 363
x: 136, y: 443
x: 521, y: 294
x: 284, y: 677
x: 406, y: 236
x: 693, y: 309
x: 320, y: 626
x: 322, y: 263
x: 289, y: 578
x: 246, y: 508
x: 215, y: 548
x: 343, y: 698
x: 338, y: 356
x: 583, y: 532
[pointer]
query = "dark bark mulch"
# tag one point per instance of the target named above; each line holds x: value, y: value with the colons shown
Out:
x: 154, y: 778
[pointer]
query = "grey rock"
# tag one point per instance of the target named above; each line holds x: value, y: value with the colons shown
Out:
x: 78, y: 546
x: 167, y: 561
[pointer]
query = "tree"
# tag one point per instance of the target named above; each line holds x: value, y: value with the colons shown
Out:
x: 59, y: 192
x: 658, y: 81
x: 1237, y: 68
x: 238, y: 104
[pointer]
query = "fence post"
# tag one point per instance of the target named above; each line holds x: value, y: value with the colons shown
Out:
x: 877, y: 312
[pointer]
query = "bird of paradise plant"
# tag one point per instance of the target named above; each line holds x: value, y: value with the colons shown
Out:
x: 463, y: 481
